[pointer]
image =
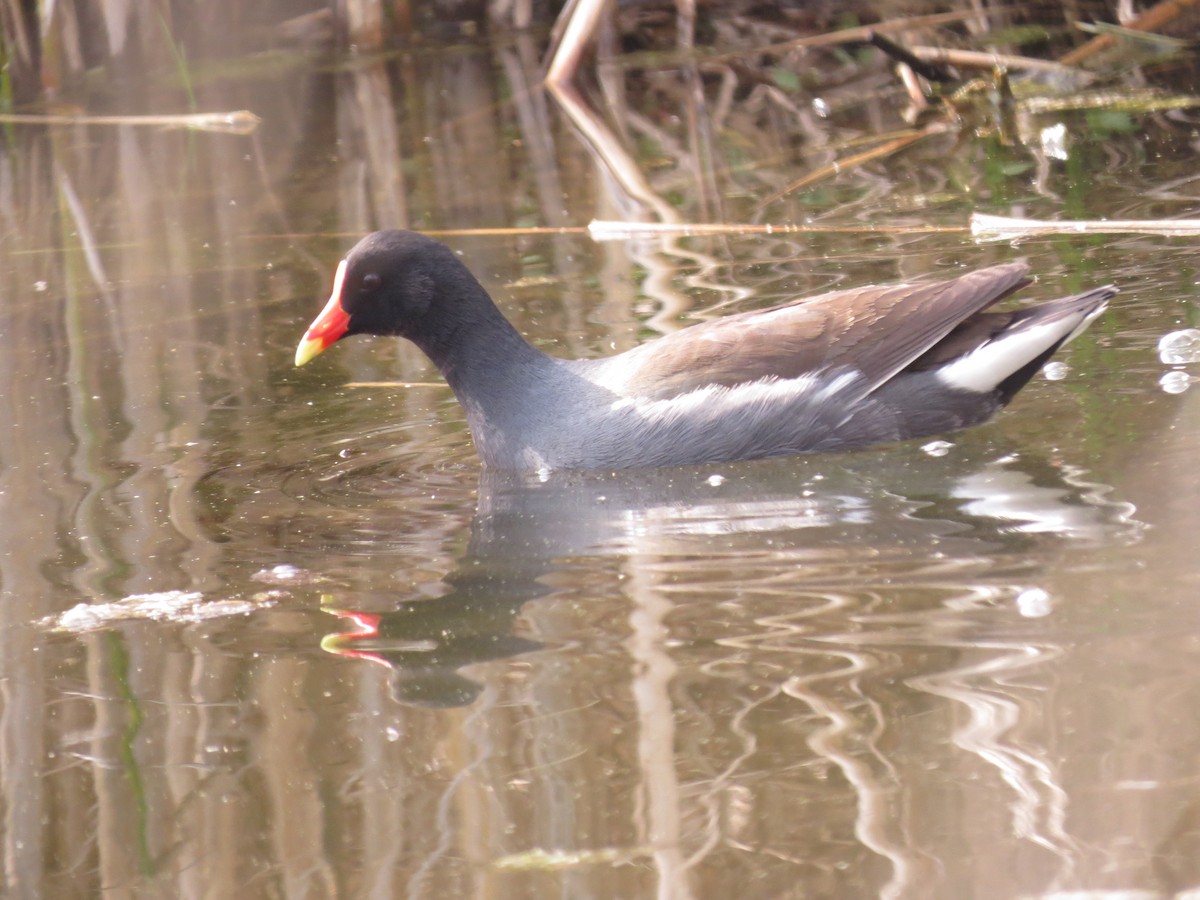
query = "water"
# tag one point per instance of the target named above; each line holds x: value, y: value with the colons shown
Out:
x: 272, y: 632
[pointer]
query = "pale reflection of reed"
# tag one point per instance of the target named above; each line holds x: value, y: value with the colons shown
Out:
x: 114, y: 352
x: 996, y: 712
x: 1002, y: 493
x: 371, y: 190
x: 292, y: 784
x: 659, y: 809
x: 630, y: 195
x: 851, y: 742
x: 465, y: 809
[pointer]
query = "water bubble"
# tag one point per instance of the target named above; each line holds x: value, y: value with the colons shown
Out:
x: 1175, y: 382
x: 1180, y: 347
x: 716, y: 480
x: 937, y: 448
x: 1034, y: 603
x: 1056, y: 371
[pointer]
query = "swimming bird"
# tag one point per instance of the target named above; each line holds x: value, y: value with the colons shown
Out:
x: 844, y: 369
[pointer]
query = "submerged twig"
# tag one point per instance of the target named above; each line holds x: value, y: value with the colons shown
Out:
x: 852, y: 162
x: 917, y: 101
x: 578, y: 22
x: 241, y: 121
x: 601, y: 230
x: 986, y: 59
x: 1005, y: 228
x: 932, y: 69
x: 607, y: 147
x: 981, y: 226
x: 1152, y: 19
x: 395, y: 384
x: 857, y: 35
x: 1129, y: 100
x: 1162, y: 42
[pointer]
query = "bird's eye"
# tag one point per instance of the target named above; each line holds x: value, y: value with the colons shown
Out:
x: 370, y: 282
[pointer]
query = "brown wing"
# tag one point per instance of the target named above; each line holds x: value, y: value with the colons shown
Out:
x: 877, y: 330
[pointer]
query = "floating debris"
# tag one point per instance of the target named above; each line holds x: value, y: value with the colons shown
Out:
x: 1054, y: 141
x: 163, y: 606
x: 557, y: 860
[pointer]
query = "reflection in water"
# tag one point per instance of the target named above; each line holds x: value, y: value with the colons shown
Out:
x: 837, y: 529
x: 1006, y: 494
x: 1038, y: 801
x: 425, y: 643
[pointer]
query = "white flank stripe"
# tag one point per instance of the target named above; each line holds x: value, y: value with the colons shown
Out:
x: 983, y: 369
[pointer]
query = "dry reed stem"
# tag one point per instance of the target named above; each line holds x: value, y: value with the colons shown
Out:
x: 854, y: 161
x: 1151, y: 20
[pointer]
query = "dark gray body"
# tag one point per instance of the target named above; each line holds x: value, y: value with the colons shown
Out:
x: 842, y: 370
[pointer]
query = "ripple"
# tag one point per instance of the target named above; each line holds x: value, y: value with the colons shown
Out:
x: 380, y: 474
x: 378, y: 491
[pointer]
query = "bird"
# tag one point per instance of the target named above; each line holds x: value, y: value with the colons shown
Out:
x: 841, y: 370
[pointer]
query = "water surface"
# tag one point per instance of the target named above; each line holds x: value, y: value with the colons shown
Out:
x: 272, y: 632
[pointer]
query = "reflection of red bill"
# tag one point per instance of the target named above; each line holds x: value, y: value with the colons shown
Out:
x: 329, y: 326
x: 366, y: 627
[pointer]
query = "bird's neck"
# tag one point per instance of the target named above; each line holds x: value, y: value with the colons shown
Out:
x: 481, y: 355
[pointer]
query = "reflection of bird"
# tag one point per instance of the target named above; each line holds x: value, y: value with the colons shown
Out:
x: 836, y: 371
x: 425, y: 643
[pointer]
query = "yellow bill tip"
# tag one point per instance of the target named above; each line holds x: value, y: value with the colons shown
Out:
x: 307, y: 349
